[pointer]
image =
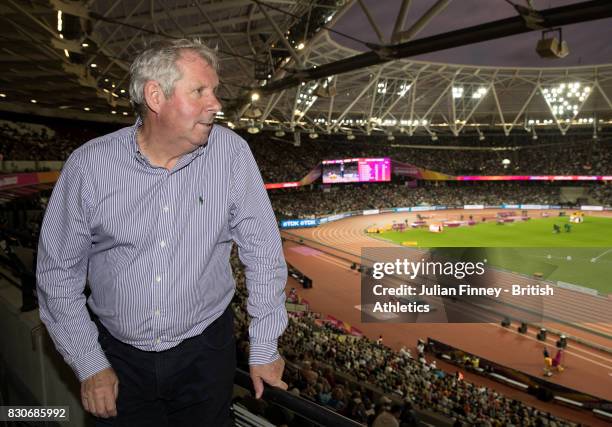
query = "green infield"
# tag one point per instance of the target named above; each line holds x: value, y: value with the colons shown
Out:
x: 582, y: 256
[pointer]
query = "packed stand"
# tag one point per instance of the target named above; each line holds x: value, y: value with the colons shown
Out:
x: 293, y: 203
x: 21, y: 141
x: 602, y: 194
x: 373, y: 384
x: 281, y: 161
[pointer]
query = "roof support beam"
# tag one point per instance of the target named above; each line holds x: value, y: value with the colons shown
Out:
x: 271, y: 105
x: 357, y: 98
x: 280, y: 34
x: 438, y: 7
x: 222, y: 38
x: 559, y: 16
x: 603, y: 94
x: 33, y: 18
x: 499, y: 110
x: 110, y: 36
x: 400, y: 20
x: 328, y: 127
x: 524, y: 107
x: 368, y: 15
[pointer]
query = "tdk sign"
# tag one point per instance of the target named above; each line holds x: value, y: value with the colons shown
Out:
x: 298, y: 223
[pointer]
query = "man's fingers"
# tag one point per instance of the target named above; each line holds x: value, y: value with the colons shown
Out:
x: 91, y: 406
x: 100, y: 409
x: 111, y: 407
x: 258, y: 386
x: 282, y: 385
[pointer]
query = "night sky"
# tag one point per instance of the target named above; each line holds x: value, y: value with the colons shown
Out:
x: 589, y: 42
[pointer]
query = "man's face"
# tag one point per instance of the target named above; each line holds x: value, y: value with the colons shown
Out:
x: 187, y: 115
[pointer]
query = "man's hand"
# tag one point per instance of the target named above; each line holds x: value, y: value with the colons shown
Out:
x: 271, y: 373
x: 99, y: 393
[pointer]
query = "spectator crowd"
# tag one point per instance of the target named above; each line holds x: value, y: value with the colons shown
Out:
x: 370, y: 383
x: 281, y: 161
x: 293, y: 203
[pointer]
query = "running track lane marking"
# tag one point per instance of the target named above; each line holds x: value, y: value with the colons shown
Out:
x: 567, y: 351
x: 332, y: 260
x: 600, y: 255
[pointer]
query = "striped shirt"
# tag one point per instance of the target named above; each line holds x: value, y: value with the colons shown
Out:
x: 154, y: 246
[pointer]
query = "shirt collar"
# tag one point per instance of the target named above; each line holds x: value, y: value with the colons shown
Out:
x: 133, y: 136
x: 136, y: 149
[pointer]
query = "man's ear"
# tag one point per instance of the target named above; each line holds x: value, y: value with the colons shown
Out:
x: 153, y: 95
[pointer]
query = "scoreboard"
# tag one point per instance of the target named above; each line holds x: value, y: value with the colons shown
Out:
x: 357, y: 170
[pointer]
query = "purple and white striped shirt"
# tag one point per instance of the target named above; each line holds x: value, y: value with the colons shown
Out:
x: 155, y: 245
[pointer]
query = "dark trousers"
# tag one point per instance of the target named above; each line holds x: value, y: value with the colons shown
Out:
x: 188, y: 385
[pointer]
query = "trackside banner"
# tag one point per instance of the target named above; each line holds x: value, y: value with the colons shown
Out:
x: 299, y: 223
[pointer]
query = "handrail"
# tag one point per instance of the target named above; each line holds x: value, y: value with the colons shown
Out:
x: 306, y: 409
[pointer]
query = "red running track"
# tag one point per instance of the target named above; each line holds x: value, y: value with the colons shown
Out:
x: 336, y: 291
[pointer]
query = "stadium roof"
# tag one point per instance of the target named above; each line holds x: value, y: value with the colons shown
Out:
x: 70, y: 59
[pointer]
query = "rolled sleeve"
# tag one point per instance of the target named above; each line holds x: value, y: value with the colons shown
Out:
x: 254, y: 229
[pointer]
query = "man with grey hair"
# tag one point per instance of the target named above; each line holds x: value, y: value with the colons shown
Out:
x: 147, y: 215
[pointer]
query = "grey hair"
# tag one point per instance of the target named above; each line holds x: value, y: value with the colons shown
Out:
x: 158, y: 62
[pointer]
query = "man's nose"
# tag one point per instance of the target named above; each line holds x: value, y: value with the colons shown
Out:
x: 213, y: 104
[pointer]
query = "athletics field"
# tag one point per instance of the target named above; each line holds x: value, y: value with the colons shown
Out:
x: 581, y: 257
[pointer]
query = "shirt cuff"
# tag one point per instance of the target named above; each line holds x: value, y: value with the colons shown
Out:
x: 89, y: 364
x: 263, y: 353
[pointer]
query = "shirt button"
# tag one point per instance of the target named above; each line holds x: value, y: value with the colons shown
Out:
x: 166, y: 208
x: 158, y: 279
x: 158, y: 340
x: 162, y: 243
x: 157, y: 312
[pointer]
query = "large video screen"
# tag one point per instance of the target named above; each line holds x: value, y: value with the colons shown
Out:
x: 356, y: 170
